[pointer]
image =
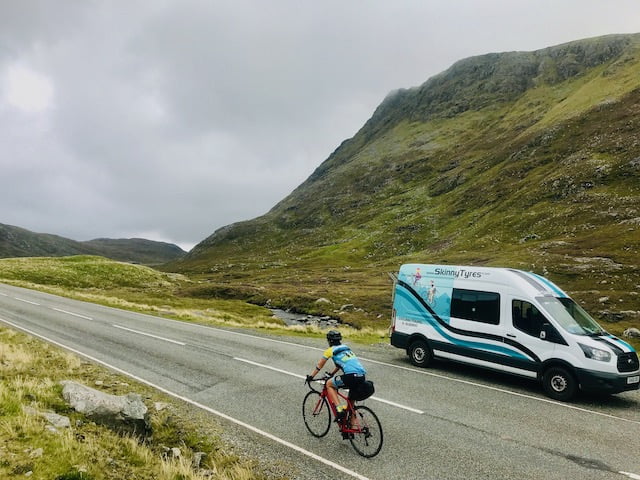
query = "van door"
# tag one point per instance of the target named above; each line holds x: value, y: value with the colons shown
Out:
x: 523, y: 331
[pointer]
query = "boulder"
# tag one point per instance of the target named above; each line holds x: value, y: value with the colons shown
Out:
x: 631, y: 332
x: 122, y: 413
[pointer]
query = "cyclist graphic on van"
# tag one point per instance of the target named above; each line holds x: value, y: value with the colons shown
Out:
x: 417, y: 276
x: 431, y: 298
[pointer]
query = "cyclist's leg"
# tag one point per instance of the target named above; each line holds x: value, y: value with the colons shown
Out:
x: 332, y: 390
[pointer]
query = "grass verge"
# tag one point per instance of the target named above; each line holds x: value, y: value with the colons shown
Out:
x: 30, y: 447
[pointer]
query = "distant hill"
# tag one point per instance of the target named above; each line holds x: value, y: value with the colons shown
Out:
x: 143, y: 251
x: 523, y: 159
x: 19, y: 242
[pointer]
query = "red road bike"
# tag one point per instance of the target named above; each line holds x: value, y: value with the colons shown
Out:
x: 360, y: 425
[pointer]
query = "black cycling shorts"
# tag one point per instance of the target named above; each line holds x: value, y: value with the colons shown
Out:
x: 348, y: 380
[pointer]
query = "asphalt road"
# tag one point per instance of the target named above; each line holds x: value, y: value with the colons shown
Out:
x: 445, y: 422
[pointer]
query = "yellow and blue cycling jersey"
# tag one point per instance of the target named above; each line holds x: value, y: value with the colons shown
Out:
x: 344, y: 359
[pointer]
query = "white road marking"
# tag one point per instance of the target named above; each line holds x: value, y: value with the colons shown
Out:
x: 325, y: 461
x: 26, y: 301
x: 398, y: 405
x: 4, y: 294
x: 71, y: 313
x: 269, y: 367
x: 149, y: 335
x: 630, y: 475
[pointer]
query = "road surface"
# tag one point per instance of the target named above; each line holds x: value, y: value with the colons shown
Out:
x: 445, y: 422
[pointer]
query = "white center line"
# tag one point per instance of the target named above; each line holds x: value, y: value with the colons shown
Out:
x: 149, y: 335
x: 388, y: 402
x: 26, y: 301
x: 71, y: 313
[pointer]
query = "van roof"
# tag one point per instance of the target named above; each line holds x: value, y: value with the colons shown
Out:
x: 464, y: 276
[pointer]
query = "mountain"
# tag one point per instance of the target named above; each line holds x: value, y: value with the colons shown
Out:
x: 521, y: 159
x: 138, y: 250
x: 18, y: 242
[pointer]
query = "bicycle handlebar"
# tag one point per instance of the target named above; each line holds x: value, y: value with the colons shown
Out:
x: 324, y: 378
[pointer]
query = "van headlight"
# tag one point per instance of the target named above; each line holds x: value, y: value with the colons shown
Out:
x: 595, y: 353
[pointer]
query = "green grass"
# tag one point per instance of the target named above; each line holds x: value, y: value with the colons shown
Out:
x: 31, y: 371
x: 145, y: 290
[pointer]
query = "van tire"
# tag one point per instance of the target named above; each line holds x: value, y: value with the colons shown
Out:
x: 420, y: 353
x: 559, y: 384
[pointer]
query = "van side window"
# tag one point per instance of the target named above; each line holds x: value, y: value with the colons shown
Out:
x: 527, y: 318
x: 477, y: 306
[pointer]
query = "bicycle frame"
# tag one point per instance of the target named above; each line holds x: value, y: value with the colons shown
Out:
x: 344, y: 426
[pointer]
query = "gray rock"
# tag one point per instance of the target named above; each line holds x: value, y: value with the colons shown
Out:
x: 57, y: 421
x: 197, y: 460
x: 631, y: 332
x: 122, y: 413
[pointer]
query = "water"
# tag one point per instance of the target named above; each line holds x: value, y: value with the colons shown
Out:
x: 291, y: 318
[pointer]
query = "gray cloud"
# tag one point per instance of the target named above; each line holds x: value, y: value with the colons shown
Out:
x: 170, y: 119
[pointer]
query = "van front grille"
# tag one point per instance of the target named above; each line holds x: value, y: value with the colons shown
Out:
x: 628, y: 362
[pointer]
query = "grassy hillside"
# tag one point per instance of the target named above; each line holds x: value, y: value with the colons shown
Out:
x: 142, y: 289
x: 522, y: 159
x: 139, y: 250
x: 123, y: 285
x: 19, y: 242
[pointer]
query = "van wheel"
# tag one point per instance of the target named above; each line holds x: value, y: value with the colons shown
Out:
x: 420, y: 353
x: 559, y: 384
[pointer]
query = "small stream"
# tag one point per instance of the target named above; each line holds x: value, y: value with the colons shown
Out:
x: 291, y: 318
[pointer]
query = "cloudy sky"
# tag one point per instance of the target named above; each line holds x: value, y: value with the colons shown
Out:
x: 168, y: 119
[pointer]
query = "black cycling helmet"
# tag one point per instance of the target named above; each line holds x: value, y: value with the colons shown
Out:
x: 334, y: 337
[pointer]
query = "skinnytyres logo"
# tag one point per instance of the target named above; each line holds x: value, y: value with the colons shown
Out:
x: 460, y: 273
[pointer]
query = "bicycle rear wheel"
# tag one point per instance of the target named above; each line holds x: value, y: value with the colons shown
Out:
x: 367, y: 438
x: 316, y: 414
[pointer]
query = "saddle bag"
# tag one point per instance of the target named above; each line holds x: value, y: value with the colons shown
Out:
x: 362, y: 391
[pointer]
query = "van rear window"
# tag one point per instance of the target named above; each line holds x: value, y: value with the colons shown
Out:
x: 477, y: 306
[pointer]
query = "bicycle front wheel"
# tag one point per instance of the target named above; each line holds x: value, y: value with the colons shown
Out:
x: 367, y: 435
x: 316, y: 414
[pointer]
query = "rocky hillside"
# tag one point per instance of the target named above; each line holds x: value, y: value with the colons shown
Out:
x: 18, y: 242
x: 523, y: 159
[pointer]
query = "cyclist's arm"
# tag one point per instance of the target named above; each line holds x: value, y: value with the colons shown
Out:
x: 319, y: 366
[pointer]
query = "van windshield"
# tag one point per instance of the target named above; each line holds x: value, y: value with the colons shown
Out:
x: 571, y: 316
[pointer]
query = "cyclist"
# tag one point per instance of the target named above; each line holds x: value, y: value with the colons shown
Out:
x: 344, y: 359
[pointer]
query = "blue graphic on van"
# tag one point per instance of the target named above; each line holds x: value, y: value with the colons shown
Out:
x: 553, y: 287
x: 434, y: 289
x: 408, y: 307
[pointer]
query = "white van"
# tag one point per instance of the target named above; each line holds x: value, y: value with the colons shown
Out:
x: 507, y: 320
